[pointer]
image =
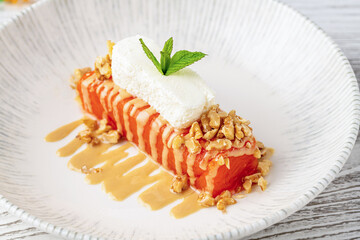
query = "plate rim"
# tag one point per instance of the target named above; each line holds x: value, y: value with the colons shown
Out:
x: 257, y: 226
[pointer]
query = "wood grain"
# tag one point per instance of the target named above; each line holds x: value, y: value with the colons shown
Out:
x: 334, y: 214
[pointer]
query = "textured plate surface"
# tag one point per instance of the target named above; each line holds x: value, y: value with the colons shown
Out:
x: 265, y: 60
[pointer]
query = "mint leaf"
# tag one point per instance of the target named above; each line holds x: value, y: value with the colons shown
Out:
x: 182, y: 59
x: 168, y: 46
x: 151, y: 56
x: 168, y: 64
x: 165, y: 61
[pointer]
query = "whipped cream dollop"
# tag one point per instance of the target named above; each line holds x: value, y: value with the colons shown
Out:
x: 180, y: 98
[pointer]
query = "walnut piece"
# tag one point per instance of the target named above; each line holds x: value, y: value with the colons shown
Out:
x: 103, y: 67
x: 205, y: 123
x: 214, y: 118
x: 179, y: 184
x: 254, y: 177
x: 228, y: 128
x: 195, y: 131
x: 262, y: 183
x: 257, y: 153
x: 177, y: 142
x: 206, y: 200
x: 87, y: 136
x: 264, y: 167
x: 103, y: 127
x: 112, y: 136
x: 90, y: 123
x: 210, y: 134
x: 219, y: 144
x: 193, y: 145
x: 247, y: 185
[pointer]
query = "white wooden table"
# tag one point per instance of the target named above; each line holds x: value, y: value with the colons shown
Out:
x: 334, y: 214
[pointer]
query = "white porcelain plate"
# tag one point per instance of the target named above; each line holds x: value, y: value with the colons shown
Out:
x: 268, y: 62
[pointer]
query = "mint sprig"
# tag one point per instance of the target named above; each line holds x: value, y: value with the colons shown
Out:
x: 168, y: 64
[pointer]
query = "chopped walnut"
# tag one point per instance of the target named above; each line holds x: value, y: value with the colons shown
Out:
x: 206, y: 200
x: 264, y: 167
x: 247, y: 185
x: 254, y: 177
x: 193, y: 145
x: 228, y: 128
x: 223, y: 161
x: 220, y: 133
x: 220, y: 160
x: 103, y: 127
x: 238, y: 131
x: 177, y: 142
x: 103, y: 67
x: 112, y: 136
x: 223, y: 202
x: 238, y: 143
x: 262, y: 183
x: 224, y: 194
x: 85, y: 136
x: 214, y: 118
x: 247, y: 130
x: 90, y: 123
x: 180, y: 183
x: 78, y: 73
x: 224, y: 199
x: 222, y: 114
x: 219, y: 144
x: 210, y: 134
x: 195, y: 131
x: 257, y: 153
x: 205, y: 123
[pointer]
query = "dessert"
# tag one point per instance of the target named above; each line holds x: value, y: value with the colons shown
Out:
x: 170, y: 114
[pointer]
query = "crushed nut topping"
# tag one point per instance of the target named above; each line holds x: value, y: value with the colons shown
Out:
x: 223, y: 202
x: 205, y: 123
x: 195, y: 131
x: 96, y: 133
x: 177, y: 142
x: 247, y: 185
x: 220, y: 130
x: 103, y: 67
x: 223, y: 161
x: 111, y: 136
x: 262, y: 183
x: 87, y: 136
x: 90, y: 123
x: 179, y: 184
x: 257, y: 153
x: 228, y: 128
x: 193, y: 145
x: 78, y: 73
x: 104, y: 127
x: 206, y: 200
x: 254, y: 177
x: 264, y: 167
x: 219, y: 144
x: 210, y: 134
